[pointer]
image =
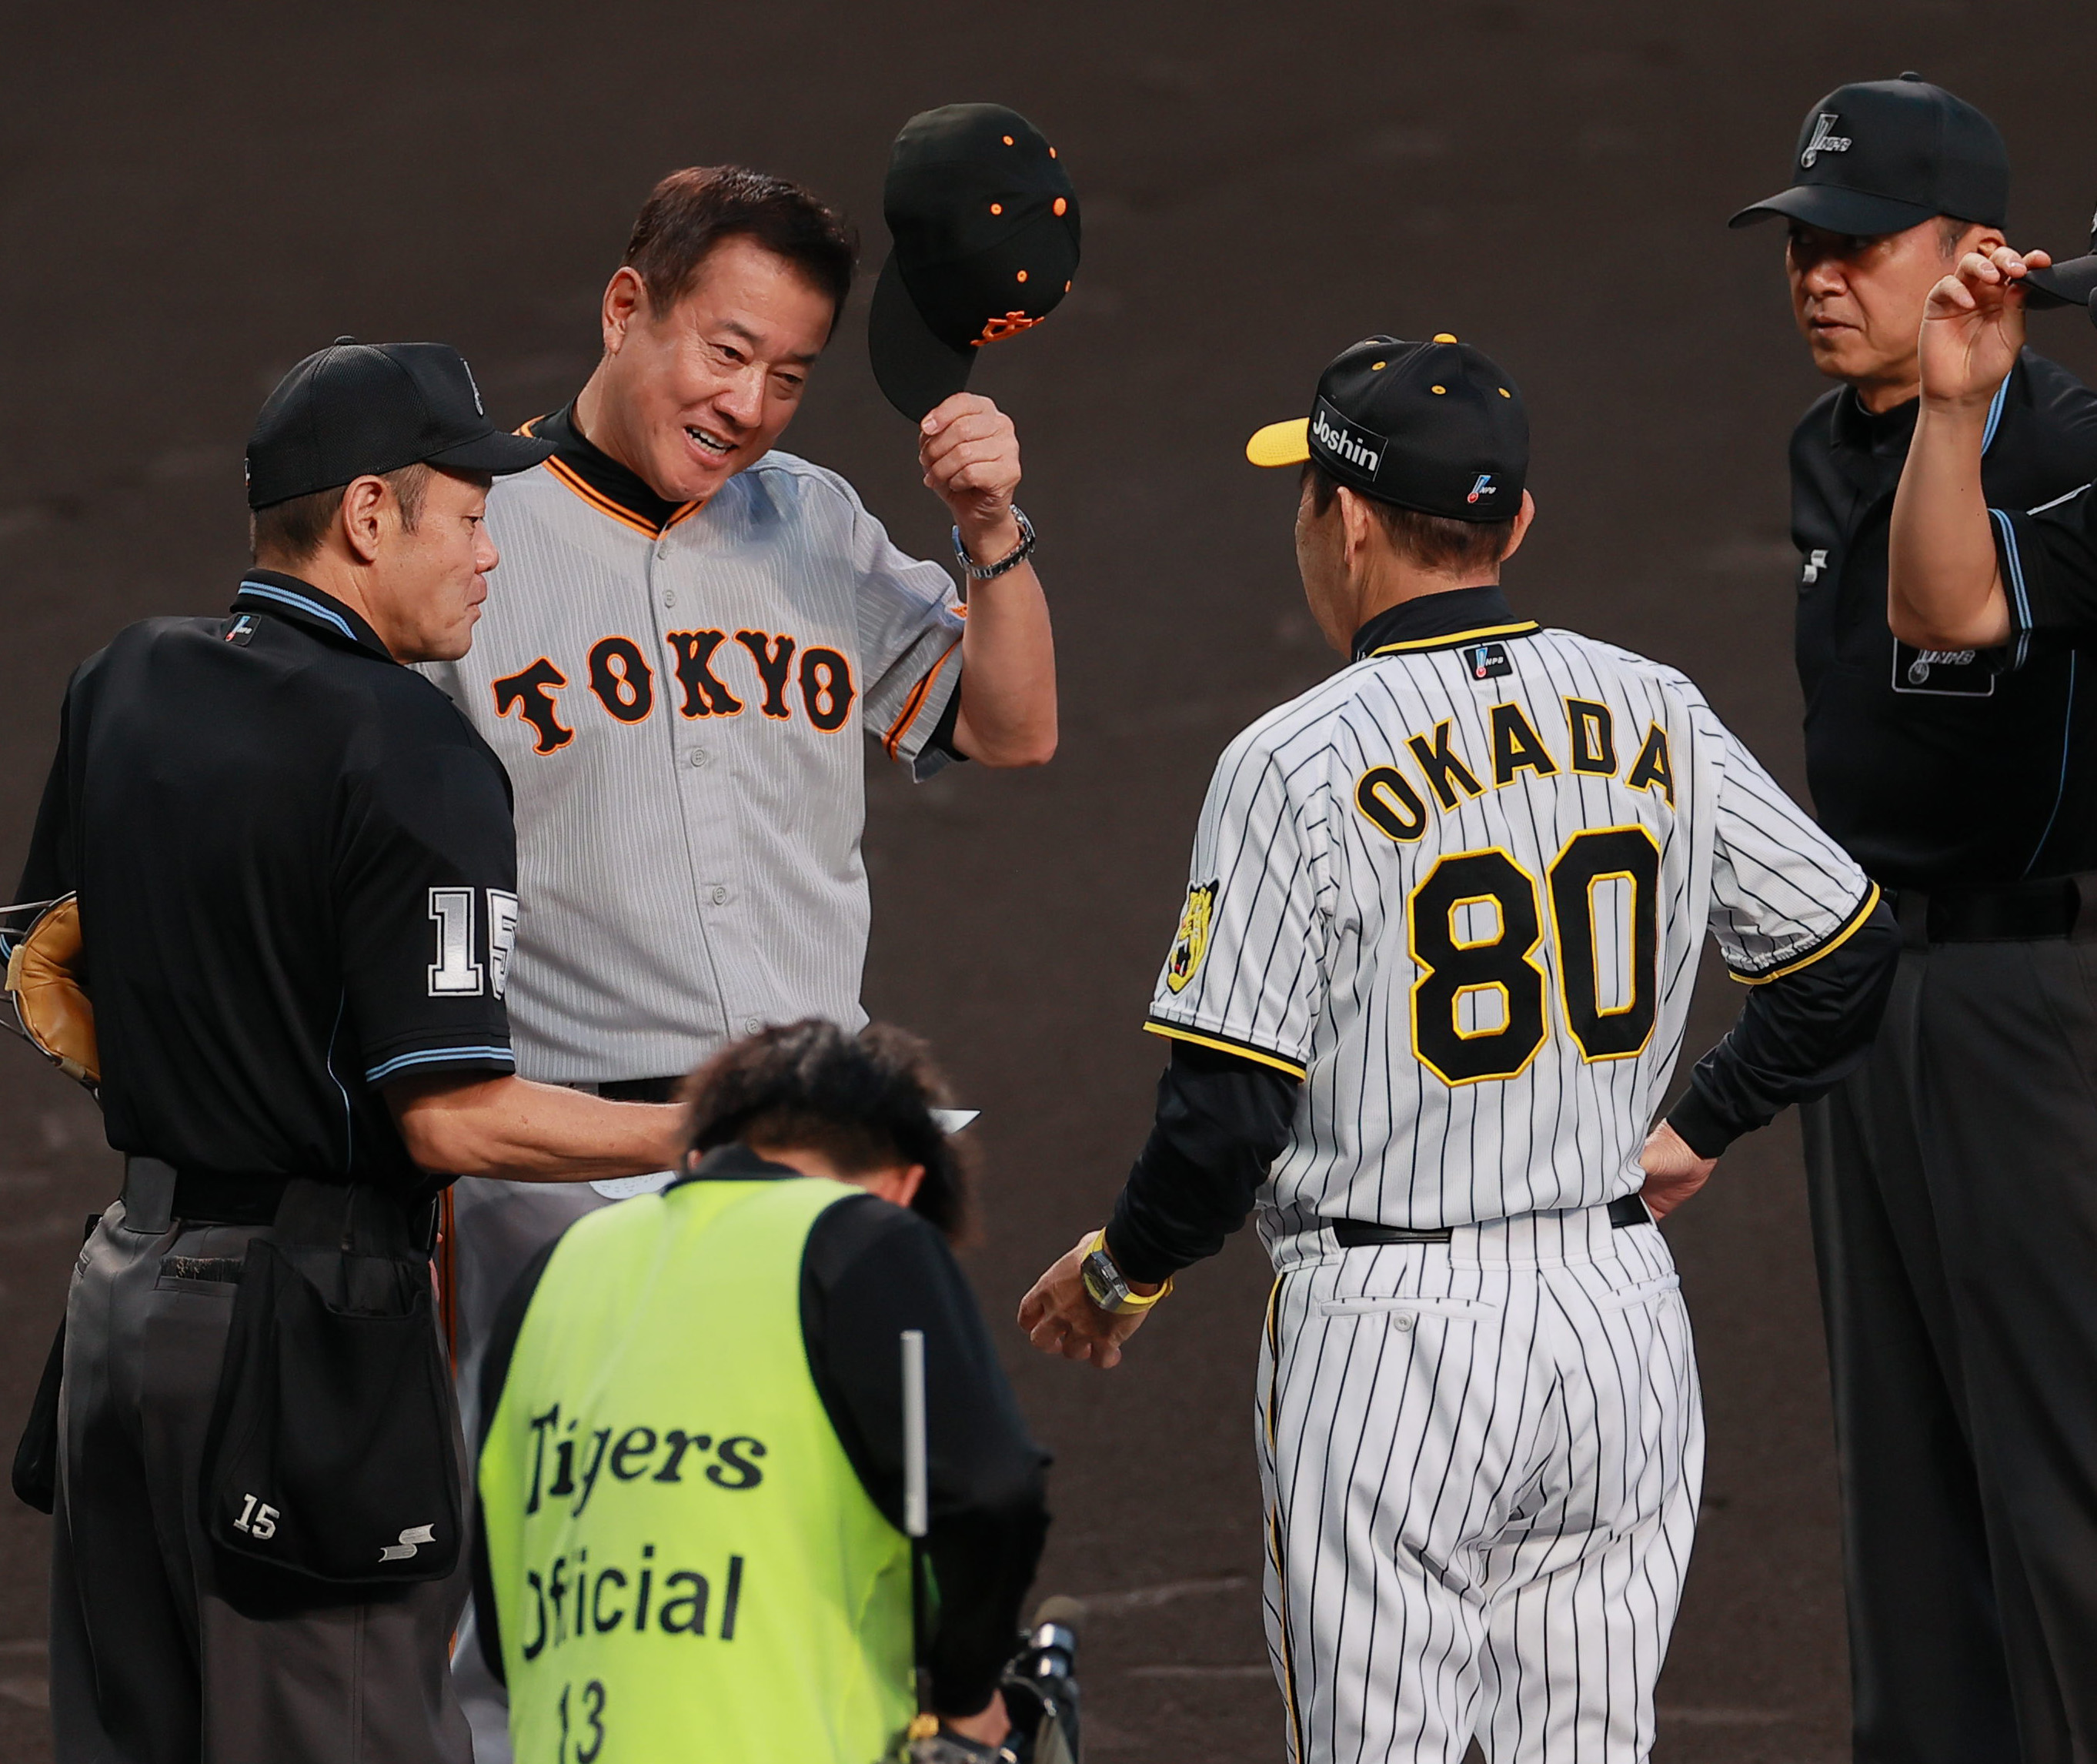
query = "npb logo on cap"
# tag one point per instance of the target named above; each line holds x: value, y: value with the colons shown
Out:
x: 1484, y: 488
x: 1358, y: 449
x: 1824, y: 139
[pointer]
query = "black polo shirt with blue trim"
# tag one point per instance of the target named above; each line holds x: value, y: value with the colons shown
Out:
x: 1945, y: 770
x: 2048, y: 559
x: 297, y: 875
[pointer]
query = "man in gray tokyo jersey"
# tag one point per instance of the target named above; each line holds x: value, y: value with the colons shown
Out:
x: 690, y: 633
x: 1431, y: 979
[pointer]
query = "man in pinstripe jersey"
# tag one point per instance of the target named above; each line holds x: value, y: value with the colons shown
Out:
x: 1430, y: 980
x: 690, y: 632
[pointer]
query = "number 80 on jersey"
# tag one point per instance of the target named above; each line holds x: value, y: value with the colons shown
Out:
x: 1475, y: 924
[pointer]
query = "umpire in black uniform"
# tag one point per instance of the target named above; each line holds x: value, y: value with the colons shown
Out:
x: 296, y: 876
x: 1950, y: 1177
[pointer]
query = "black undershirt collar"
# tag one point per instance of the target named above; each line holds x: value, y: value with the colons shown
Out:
x: 1851, y: 425
x: 736, y: 1163
x: 1455, y: 616
x: 300, y: 603
x: 1887, y: 434
x: 600, y: 472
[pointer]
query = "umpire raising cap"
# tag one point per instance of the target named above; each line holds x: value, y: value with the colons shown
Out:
x: 1949, y: 1176
x: 296, y: 876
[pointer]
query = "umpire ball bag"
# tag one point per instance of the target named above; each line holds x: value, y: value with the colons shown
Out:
x: 332, y: 1452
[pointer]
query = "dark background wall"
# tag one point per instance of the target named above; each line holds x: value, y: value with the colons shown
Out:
x: 192, y: 199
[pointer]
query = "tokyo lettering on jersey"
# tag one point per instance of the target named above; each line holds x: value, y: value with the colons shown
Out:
x: 1458, y: 889
x: 678, y: 702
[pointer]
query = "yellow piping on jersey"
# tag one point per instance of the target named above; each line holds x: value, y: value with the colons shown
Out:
x: 1856, y: 919
x: 1274, y: 1550
x: 1173, y: 1032
x: 1521, y: 628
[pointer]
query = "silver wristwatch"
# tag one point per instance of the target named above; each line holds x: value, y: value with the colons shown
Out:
x: 1108, y: 1287
x: 1019, y: 553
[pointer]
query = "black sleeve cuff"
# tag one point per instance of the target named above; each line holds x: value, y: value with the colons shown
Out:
x: 2048, y: 560
x: 942, y: 731
x: 1800, y: 1033
x: 1704, y: 1129
x: 2016, y: 583
x: 1222, y: 1121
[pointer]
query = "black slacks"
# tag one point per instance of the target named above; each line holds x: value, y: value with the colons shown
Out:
x: 1954, y: 1189
x: 155, y: 1658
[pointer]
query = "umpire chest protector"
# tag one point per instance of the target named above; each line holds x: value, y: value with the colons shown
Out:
x: 684, y: 1559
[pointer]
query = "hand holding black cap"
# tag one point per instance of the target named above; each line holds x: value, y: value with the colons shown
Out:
x: 1436, y: 427
x: 1883, y: 156
x: 985, y: 225
x: 2071, y: 284
x: 357, y: 409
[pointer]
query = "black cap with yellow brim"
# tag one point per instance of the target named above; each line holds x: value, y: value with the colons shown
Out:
x: 1433, y: 426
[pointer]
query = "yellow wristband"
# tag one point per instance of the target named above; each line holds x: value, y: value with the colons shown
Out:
x: 1133, y: 1300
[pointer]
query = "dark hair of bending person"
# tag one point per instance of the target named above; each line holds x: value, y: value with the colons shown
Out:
x: 862, y: 1104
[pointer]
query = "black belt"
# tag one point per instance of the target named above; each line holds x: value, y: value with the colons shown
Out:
x: 372, y: 1220
x: 226, y: 1197
x: 2020, y: 912
x: 1358, y: 1234
x: 642, y: 1089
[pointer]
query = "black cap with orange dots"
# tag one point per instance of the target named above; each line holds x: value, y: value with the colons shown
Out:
x: 985, y: 225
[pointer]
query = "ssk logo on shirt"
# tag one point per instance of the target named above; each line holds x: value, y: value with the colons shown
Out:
x: 1358, y: 447
x: 1944, y: 673
x: 1824, y: 139
x: 1487, y: 661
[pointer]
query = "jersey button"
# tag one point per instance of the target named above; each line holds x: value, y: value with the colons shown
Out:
x: 1401, y: 1320
x: 669, y: 597
x: 750, y: 1026
x: 718, y: 894
x: 698, y: 756
x: 663, y: 550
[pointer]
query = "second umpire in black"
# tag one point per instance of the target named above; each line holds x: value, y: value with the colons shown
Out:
x: 1950, y: 1178
x: 296, y: 876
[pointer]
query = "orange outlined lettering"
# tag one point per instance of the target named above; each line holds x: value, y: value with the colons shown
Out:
x: 530, y: 692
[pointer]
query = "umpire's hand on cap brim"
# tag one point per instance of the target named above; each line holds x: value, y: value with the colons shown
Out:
x: 1059, y: 1318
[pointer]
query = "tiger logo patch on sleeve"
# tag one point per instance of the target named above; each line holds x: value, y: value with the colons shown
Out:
x: 1190, y: 943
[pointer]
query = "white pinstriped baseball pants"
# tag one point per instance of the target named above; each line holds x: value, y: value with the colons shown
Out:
x: 1482, y: 1461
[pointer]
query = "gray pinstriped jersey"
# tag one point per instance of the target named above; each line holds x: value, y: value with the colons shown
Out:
x: 1459, y: 887
x: 680, y: 713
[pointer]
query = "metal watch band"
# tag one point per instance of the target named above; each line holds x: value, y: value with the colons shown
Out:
x: 1019, y: 553
x: 1108, y: 1287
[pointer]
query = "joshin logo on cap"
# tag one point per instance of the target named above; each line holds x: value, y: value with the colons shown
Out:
x: 1356, y: 447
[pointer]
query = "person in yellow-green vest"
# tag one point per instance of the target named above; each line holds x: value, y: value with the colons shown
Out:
x: 691, y: 1467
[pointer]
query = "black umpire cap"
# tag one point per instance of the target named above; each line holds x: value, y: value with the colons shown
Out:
x: 354, y: 409
x: 985, y: 225
x: 2071, y: 284
x: 1435, y: 427
x: 1883, y: 156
